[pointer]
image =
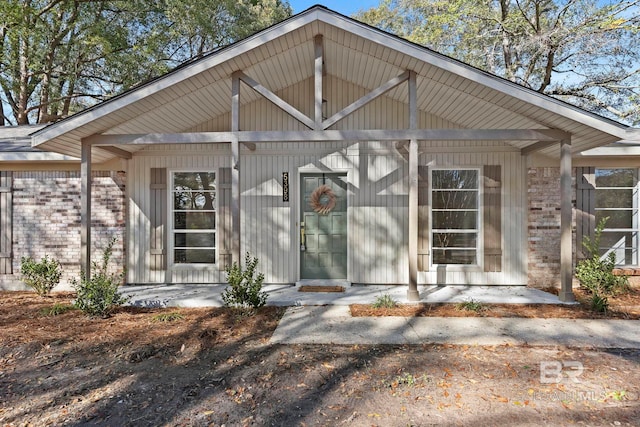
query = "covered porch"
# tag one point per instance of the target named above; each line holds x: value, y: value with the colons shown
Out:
x: 312, y: 84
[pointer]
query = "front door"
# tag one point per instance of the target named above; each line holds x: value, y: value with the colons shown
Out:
x: 323, y: 226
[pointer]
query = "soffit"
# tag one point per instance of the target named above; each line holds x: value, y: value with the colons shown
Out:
x: 284, y: 55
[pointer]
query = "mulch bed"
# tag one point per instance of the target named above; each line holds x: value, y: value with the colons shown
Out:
x: 625, y: 306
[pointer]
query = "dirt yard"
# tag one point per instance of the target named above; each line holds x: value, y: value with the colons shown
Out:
x: 212, y: 367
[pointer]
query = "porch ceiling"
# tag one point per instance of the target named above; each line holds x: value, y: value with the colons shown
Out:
x: 283, y: 55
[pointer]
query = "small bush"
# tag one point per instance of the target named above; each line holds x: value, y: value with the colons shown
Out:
x: 98, y: 295
x: 57, y: 309
x: 471, y: 305
x: 596, y: 276
x: 41, y: 276
x: 384, y: 301
x: 595, y: 273
x: 244, y: 288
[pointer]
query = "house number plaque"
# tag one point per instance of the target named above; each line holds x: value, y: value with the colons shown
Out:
x: 285, y: 186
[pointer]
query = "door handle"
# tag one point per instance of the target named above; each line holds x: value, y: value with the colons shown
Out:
x: 303, y: 247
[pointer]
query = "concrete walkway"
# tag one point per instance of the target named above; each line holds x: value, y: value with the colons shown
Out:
x: 334, y: 325
x: 324, y: 318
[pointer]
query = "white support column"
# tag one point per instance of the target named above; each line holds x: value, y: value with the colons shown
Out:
x: 85, y: 208
x: 318, y: 65
x: 412, y: 292
x: 235, y: 169
x: 566, y: 245
x: 235, y: 201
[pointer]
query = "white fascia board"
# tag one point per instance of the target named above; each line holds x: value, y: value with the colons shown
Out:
x: 617, y: 149
x: 494, y: 82
x: 183, y: 73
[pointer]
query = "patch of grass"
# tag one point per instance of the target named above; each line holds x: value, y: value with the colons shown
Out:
x: 617, y: 395
x: 167, y: 317
x: 409, y: 379
x: 384, y: 301
x: 471, y: 305
x: 56, y: 309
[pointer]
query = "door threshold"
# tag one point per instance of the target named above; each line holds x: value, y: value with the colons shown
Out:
x: 323, y: 282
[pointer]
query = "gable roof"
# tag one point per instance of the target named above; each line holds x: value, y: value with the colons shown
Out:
x: 283, y: 55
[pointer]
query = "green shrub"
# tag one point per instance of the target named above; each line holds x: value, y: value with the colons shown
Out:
x: 98, y: 294
x: 595, y: 273
x: 384, y: 301
x: 40, y: 276
x: 244, y: 289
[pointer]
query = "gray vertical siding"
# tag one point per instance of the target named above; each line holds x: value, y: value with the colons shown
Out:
x: 377, y: 192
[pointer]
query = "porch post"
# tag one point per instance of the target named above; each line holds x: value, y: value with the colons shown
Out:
x: 318, y: 65
x: 566, y: 245
x: 235, y: 169
x: 412, y: 292
x: 85, y: 208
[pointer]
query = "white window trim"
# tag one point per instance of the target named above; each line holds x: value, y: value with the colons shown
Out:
x: 170, y: 223
x: 478, y: 266
x: 635, y: 208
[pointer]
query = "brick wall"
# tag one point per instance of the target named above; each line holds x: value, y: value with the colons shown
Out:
x: 543, y: 185
x: 46, y: 219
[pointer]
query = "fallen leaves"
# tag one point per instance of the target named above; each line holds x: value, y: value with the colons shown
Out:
x: 499, y: 398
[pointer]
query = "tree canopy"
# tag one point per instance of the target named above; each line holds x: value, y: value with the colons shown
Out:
x: 581, y: 51
x: 60, y: 56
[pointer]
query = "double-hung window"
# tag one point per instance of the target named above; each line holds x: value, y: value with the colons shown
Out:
x: 616, y: 198
x: 455, y: 216
x: 194, y: 217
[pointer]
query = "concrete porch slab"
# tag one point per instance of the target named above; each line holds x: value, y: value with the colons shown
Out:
x: 191, y: 295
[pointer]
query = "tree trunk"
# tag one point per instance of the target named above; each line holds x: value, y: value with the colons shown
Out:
x: 23, y: 97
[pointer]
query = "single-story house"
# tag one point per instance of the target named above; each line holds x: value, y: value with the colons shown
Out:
x: 332, y: 150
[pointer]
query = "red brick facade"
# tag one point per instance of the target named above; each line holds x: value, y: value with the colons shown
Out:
x: 46, y: 219
x: 543, y: 184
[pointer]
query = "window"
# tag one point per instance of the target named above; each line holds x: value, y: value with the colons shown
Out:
x: 194, y: 217
x: 454, y: 201
x: 616, y: 197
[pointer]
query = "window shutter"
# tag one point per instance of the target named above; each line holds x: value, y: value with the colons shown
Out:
x: 158, y: 190
x: 585, y: 207
x: 223, y: 223
x: 492, y: 177
x: 6, y: 223
x: 423, y: 218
